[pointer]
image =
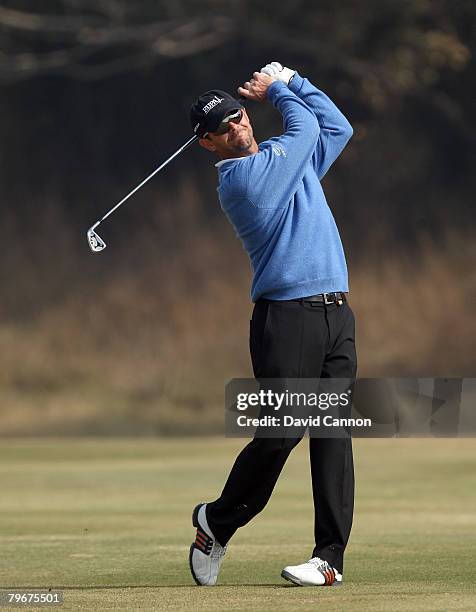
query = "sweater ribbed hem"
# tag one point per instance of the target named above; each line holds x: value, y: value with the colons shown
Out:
x: 305, y: 289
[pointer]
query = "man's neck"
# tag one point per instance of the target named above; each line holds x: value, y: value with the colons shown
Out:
x: 235, y: 155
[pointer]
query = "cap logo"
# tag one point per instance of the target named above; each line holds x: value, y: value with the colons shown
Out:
x: 213, y: 102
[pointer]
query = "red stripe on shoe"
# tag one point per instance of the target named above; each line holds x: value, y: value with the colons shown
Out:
x: 201, y: 538
x: 329, y: 576
x: 203, y: 534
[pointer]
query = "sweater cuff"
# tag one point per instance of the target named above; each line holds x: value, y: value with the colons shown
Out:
x: 296, y: 83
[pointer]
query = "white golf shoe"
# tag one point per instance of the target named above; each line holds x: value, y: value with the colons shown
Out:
x: 315, y: 572
x: 206, y: 554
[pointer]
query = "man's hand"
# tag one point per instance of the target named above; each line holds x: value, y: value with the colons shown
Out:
x: 257, y: 88
x: 276, y: 69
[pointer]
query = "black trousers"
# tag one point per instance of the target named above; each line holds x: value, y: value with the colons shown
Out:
x: 296, y: 340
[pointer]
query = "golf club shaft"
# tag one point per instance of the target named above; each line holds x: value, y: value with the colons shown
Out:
x: 182, y: 148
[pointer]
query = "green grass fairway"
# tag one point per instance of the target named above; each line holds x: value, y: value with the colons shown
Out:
x: 108, y: 521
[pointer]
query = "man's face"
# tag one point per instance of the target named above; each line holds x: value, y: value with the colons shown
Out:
x: 236, y: 142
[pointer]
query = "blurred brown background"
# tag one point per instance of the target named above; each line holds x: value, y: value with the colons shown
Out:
x: 141, y: 338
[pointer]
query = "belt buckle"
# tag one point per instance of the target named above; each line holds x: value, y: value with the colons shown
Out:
x: 326, y: 301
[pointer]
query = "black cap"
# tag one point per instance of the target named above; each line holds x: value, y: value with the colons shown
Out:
x: 208, y: 110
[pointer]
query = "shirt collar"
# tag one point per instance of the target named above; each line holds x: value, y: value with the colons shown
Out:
x: 223, y: 161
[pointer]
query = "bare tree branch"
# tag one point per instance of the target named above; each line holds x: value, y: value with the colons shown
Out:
x: 36, y: 22
x: 90, y: 51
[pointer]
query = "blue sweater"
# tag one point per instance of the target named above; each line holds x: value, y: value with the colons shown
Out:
x: 275, y: 201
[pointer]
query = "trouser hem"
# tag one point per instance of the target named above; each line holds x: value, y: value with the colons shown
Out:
x: 334, y: 558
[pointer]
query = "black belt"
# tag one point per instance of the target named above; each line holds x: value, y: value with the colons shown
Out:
x: 325, y: 298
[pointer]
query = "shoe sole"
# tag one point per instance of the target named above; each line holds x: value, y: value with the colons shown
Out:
x: 290, y: 578
x: 192, y: 547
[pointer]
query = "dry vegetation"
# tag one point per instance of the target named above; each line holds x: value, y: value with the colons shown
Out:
x: 146, y: 349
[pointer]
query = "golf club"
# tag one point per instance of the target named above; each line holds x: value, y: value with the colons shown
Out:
x: 96, y: 243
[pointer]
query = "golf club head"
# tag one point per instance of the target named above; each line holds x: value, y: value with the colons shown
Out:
x: 95, y: 242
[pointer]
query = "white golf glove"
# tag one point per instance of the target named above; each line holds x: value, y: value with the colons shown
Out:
x: 277, y: 70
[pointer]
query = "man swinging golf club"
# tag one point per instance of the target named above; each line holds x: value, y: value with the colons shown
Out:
x: 302, y: 325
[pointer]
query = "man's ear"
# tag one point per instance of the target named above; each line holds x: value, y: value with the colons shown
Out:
x: 206, y: 144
